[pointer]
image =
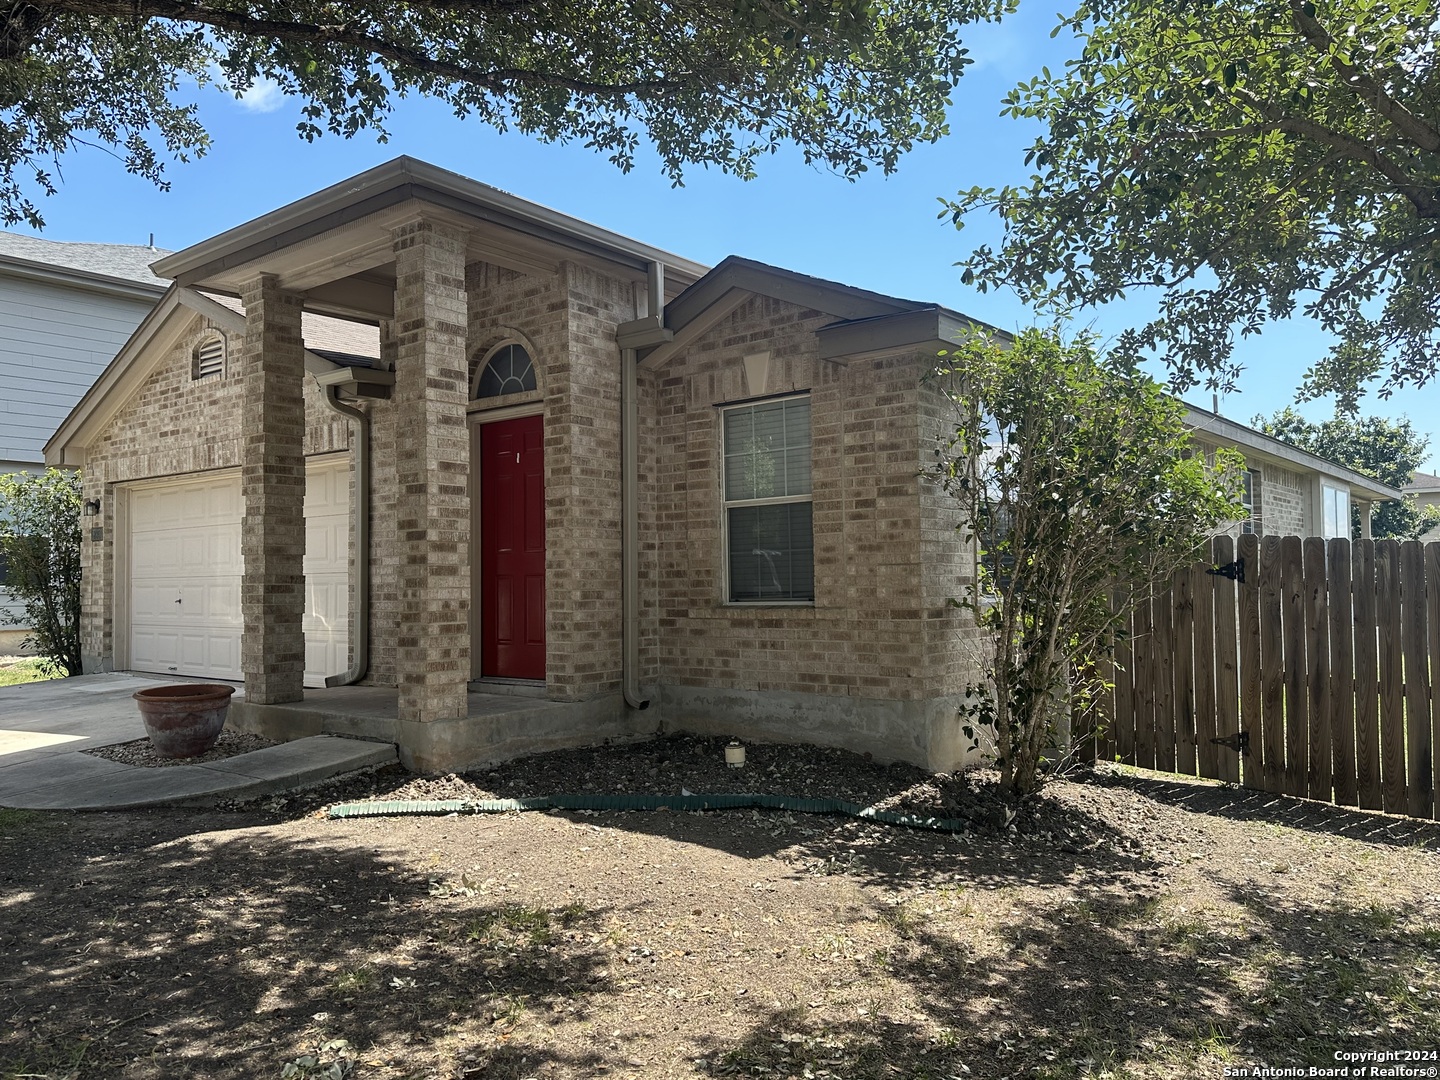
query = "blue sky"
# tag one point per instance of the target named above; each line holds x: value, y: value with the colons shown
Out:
x: 880, y: 233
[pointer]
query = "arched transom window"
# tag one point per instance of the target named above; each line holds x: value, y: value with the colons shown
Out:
x: 508, y: 371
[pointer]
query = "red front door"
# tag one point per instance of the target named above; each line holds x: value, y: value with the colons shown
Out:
x: 512, y: 549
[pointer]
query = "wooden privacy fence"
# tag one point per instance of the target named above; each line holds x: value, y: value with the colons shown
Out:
x: 1312, y: 676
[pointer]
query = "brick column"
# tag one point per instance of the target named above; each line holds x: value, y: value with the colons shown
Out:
x: 97, y: 574
x: 272, y: 538
x: 432, y: 469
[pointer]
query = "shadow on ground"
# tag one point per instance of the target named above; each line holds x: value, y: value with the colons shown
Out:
x: 1245, y: 804
x: 144, y: 946
x: 1110, y: 986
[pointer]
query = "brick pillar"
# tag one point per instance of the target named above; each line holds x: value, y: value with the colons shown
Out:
x: 97, y: 574
x: 432, y: 468
x: 272, y: 537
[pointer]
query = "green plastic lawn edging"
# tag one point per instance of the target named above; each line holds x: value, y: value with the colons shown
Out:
x: 645, y: 802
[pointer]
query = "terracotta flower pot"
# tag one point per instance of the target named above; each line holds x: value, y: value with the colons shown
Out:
x: 184, y: 720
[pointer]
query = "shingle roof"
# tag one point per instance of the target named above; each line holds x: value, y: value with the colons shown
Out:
x: 129, y: 262
x: 1423, y: 481
x: 350, y: 344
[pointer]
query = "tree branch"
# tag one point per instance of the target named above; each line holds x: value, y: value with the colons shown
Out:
x: 1366, y: 88
x: 237, y: 22
x: 1422, y: 198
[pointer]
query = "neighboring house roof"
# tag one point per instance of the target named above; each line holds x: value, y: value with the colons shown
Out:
x: 118, y: 268
x: 355, y: 344
x: 1423, y: 484
x: 1213, y: 428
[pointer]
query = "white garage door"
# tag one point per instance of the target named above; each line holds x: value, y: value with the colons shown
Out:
x: 185, y: 570
x: 327, y: 569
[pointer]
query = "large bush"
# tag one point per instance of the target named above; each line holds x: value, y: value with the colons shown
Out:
x: 1081, y: 491
x: 40, y: 539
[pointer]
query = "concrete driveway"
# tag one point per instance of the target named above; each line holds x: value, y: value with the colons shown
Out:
x: 45, y: 726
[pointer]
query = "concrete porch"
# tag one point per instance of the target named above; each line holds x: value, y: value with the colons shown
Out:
x: 496, y: 727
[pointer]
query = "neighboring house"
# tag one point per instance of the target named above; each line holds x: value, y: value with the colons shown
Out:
x: 1289, y: 491
x: 65, y: 310
x: 1425, y: 490
x: 597, y: 474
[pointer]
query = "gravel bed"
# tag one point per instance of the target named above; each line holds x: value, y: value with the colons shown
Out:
x: 141, y: 753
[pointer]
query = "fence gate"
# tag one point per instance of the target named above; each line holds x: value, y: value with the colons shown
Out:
x: 1303, y: 669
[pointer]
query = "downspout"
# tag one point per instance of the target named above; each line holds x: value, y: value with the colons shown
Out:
x: 630, y: 484
x: 630, y: 527
x: 360, y: 529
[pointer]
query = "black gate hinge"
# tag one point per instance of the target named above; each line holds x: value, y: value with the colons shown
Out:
x: 1239, y: 742
x: 1235, y: 571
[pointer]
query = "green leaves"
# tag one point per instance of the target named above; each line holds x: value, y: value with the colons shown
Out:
x: 40, y: 540
x: 1388, y: 450
x: 711, y: 83
x: 1256, y: 160
x: 1077, y: 484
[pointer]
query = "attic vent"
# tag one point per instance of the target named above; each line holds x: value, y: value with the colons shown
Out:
x: 210, y: 358
x: 508, y: 370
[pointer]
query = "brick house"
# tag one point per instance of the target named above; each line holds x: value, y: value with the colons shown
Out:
x: 1289, y: 491
x: 415, y: 458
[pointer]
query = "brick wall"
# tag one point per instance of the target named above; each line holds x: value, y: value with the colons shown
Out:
x: 567, y: 322
x: 879, y: 627
x: 1284, y: 501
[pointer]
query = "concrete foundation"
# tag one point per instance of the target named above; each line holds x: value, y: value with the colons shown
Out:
x: 498, y: 727
x: 927, y: 733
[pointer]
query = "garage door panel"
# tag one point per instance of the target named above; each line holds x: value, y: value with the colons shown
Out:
x: 185, y: 545
x: 327, y: 577
x: 145, y: 601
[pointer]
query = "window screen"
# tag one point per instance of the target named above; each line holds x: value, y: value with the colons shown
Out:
x: 769, y: 534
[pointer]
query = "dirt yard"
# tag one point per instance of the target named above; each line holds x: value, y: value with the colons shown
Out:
x: 1123, y: 926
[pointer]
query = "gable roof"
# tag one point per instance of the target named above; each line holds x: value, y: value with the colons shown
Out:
x: 868, y: 321
x: 117, y: 268
x: 353, y: 344
x: 1213, y: 427
x: 1423, y: 482
x: 355, y: 218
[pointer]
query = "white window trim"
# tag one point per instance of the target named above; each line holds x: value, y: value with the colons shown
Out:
x: 727, y: 504
x: 484, y: 364
x: 1345, y: 526
x: 1251, y: 519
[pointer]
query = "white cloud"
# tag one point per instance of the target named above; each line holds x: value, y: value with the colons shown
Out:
x: 264, y: 97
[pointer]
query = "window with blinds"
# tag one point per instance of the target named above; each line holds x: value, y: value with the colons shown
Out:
x: 769, y: 534
x: 209, y: 358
